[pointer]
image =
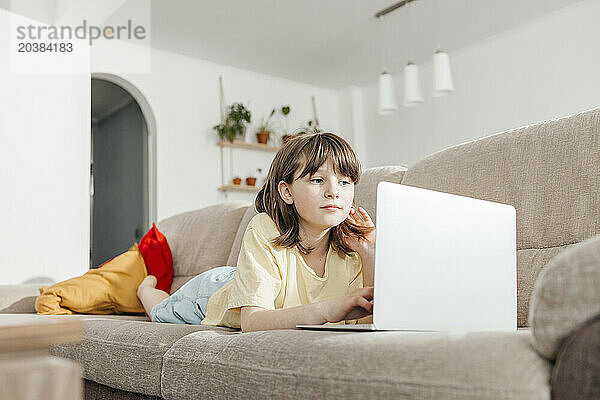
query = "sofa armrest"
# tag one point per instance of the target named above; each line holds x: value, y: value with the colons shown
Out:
x: 19, y: 298
x: 565, y: 296
x: 576, y: 373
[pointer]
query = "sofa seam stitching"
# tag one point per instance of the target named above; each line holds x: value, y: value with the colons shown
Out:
x: 550, y: 247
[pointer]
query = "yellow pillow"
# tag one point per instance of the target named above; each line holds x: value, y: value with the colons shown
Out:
x: 111, y: 289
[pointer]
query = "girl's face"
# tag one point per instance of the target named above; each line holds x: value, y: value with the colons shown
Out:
x: 311, y: 194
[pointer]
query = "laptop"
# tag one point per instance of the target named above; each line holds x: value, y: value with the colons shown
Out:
x: 443, y: 262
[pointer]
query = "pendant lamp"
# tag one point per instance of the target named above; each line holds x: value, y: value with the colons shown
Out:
x: 387, y: 94
x: 412, y: 85
x: 442, y: 77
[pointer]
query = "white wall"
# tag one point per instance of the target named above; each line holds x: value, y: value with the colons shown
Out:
x: 183, y: 93
x: 45, y: 148
x: 44, y: 170
x: 545, y: 69
x: 352, y: 123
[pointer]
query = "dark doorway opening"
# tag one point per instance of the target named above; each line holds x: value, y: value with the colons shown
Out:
x: 119, y: 171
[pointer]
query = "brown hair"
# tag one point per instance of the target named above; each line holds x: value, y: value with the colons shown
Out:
x: 307, y: 153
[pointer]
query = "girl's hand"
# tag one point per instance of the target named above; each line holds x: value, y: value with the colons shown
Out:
x: 361, y: 246
x: 354, y: 305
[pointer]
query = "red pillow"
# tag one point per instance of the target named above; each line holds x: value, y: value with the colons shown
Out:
x: 157, y: 256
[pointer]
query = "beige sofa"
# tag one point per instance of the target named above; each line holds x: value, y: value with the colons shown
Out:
x: 549, y: 172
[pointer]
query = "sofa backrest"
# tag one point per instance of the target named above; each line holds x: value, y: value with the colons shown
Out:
x: 201, y: 239
x: 550, y: 172
x: 239, y: 236
x: 365, y: 193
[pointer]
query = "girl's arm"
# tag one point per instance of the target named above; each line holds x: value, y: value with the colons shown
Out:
x: 352, y: 306
x: 261, y: 319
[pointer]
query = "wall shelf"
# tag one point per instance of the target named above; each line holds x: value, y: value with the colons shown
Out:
x: 239, y: 188
x: 238, y: 144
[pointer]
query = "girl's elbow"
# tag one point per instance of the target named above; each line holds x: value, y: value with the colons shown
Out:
x: 247, y: 315
x: 246, y: 325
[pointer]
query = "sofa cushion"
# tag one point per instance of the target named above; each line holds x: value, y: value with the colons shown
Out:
x: 566, y: 296
x: 19, y: 298
x: 179, y: 281
x: 576, y: 373
x: 202, y: 239
x: 123, y: 317
x: 296, y: 364
x: 107, y: 290
x: 530, y: 263
x: 549, y: 172
x: 126, y: 355
x: 157, y: 257
x: 365, y: 193
x: 95, y: 391
x: 239, y: 236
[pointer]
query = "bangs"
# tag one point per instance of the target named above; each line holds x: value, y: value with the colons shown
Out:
x: 323, y: 147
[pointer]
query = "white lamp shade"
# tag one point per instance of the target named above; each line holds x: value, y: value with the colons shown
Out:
x: 412, y: 86
x: 387, y: 96
x: 442, y: 77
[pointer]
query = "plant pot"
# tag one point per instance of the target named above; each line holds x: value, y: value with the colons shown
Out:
x: 250, y: 181
x: 237, y: 180
x: 285, y: 138
x: 262, y: 137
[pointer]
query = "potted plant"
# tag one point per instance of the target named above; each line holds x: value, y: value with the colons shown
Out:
x: 285, y: 110
x: 312, y: 126
x: 261, y: 176
x: 250, y: 180
x: 235, y: 122
x: 237, y: 180
x: 264, y: 129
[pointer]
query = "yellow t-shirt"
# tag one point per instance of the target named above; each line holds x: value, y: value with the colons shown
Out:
x: 276, y: 277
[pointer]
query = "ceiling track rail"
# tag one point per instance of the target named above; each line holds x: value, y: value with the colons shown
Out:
x: 392, y: 8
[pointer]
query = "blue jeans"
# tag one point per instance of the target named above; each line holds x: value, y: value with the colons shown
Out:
x: 188, y: 304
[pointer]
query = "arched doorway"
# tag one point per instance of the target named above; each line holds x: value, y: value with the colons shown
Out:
x: 123, y: 167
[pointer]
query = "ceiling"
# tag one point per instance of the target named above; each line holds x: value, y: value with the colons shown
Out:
x: 332, y: 43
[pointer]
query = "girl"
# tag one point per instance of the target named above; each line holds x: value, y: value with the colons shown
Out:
x: 306, y: 258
